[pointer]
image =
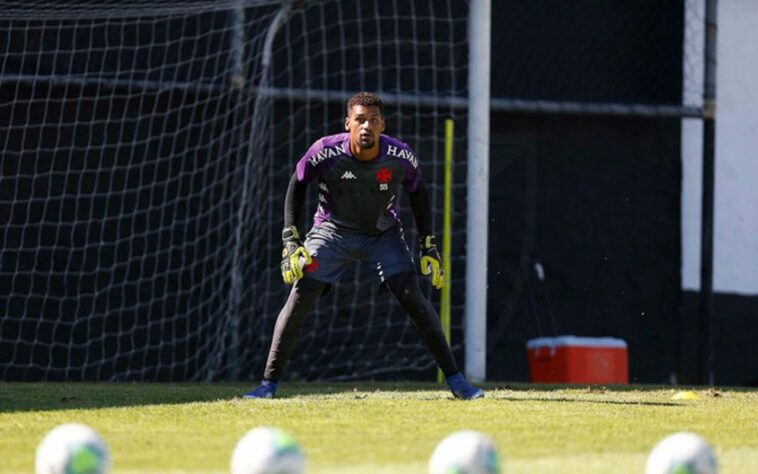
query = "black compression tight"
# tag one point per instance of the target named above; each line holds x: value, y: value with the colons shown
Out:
x: 404, y: 287
x: 306, y: 292
x: 303, y: 297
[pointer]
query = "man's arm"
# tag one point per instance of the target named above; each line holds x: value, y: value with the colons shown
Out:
x: 292, y: 245
x: 294, y: 201
x: 429, y: 258
x: 421, y: 208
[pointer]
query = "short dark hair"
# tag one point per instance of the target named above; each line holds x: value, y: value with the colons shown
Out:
x: 365, y: 99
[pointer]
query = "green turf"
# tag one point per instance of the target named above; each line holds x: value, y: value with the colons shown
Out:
x: 378, y: 427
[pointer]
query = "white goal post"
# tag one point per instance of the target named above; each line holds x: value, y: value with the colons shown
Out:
x: 478, y: 201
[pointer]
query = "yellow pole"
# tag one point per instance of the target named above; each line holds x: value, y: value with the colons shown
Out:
x: 447, y: 226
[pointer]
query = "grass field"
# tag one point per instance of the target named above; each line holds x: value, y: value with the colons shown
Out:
x: 379, y: 427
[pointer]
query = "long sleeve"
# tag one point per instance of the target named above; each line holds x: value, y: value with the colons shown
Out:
x: 421, y: 208
x: 294, y: 201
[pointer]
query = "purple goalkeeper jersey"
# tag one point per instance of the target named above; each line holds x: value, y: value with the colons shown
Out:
x: 358, y: 195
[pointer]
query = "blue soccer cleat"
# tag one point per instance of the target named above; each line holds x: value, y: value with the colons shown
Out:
x: 462, y: 389
x: 267, y: 389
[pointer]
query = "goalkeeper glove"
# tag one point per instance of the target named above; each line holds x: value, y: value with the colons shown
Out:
x: 430, y: 261
x: 292, y: 253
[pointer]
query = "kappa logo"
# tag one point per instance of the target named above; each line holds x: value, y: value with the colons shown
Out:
x: 348, y: 175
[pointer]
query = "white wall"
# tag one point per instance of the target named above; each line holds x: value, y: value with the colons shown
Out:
x: 736, y: 186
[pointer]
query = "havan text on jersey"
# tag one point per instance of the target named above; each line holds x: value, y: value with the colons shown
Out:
x: 325, y: 153
x: 402, y: 153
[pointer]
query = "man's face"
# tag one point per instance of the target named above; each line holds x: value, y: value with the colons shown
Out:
x: 364, y: 123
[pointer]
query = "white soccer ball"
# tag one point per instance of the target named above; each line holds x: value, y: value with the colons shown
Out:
x: 465, y: 452
x: 266, y: 450
x: 681, y: 453
x: 72, y: 448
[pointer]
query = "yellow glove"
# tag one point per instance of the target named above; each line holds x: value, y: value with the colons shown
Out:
x: 294, y: 255
x: 430, y: 261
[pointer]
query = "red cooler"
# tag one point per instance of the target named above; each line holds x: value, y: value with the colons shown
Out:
x: 572, y: 359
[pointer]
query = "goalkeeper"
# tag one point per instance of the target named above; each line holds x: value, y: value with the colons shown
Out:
x: 359, y: 174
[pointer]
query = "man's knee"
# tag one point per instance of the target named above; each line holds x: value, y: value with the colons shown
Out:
x: 404, y: 286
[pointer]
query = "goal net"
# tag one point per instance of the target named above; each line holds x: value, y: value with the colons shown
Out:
x: 145, y: 149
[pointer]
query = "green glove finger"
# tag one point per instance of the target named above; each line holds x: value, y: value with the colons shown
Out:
x: 430, y: 265
x: 296, y: 268
x: 440, y: 280
x: 287, y: 276
x: 436, y: 275
x: 289, y: 265
x: 285, y: 267
x: 303, y: 252
x: 427, y: 265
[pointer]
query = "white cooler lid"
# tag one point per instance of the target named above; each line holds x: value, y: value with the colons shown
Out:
x: 576, y: 341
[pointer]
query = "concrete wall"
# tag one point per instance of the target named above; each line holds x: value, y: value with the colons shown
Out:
x: 736, y: 186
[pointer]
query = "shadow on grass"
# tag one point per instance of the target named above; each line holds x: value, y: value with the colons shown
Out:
x: 585, y: 400
x: 44, y: 396
x: 601, y: 390
x: 551, y: 387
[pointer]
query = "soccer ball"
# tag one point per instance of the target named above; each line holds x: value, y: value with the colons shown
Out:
x: 681, y: 453
x: 72, y: 449
x: 465, y: 452
x: 266, y: 450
